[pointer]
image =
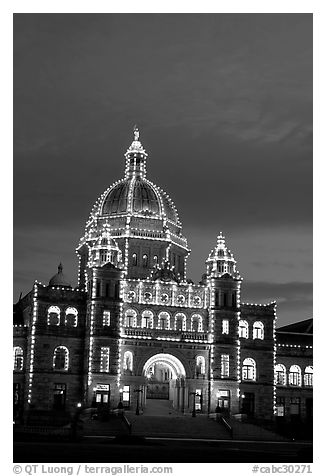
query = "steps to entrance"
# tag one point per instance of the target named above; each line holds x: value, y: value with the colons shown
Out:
x: 178, y: 427
x: 248, y: 431
x: 160, y: 419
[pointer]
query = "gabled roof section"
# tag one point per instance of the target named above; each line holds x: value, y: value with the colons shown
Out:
x: 302, y: 327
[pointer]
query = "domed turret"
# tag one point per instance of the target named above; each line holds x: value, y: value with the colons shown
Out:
x: 59, y: 279
x: 105, y: 250
x: 143, y: 221
x: 220, y: 260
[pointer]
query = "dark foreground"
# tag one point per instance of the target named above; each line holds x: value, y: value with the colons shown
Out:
x: 104, y: 450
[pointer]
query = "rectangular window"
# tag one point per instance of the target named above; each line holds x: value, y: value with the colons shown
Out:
x: 105, y: 359
x: 225, y: 326
x: 106, y: 318
x: 198, y: 399
x: 225, y: 365
x: 59, y: 396
x: 126, y: 396
x: 295, y: 405
x: 280, y: 406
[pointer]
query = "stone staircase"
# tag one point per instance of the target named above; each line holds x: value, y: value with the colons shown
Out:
x: 178, y: 426
x: 248, y: 431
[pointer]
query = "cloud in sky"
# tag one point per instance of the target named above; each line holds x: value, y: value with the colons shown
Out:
x: 224, y: 106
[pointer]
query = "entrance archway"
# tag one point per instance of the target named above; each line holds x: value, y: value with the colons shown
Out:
x: 165, y: 380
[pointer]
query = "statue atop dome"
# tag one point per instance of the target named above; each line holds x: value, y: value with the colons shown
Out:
x: 136, y: 133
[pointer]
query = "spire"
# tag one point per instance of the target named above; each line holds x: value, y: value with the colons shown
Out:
x: 60, y: 268
x: 135, y: 157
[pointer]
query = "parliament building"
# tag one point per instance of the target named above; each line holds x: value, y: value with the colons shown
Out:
x: 136, y: 328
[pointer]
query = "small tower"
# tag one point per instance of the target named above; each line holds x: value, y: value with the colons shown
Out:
x: 224, y: 283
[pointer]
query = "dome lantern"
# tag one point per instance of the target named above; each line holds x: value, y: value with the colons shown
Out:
x: 136, y: 158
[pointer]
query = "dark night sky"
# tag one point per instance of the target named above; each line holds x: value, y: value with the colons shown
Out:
x: 224, y: 107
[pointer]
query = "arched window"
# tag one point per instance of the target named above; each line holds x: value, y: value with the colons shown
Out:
x: 61, y: 358
x: 71, y: 318
x: 134, y: 259
x: 243, y: 329
x: 258, y: 330
x: 308, y: 376
x: 131, y: 318
x: 18, y: 358
x: 128, y: 361
x: 196, y: 323
x: 280, y: 374
x: 54, y: 316
x: 155, y: 260
x: 103, y: 256
x: 249, y: 369
x: 180, y: 322
x: 163, y: 320
x: 295, y: 376
x: 145, y: 261
x: 147, y: 319
x: 200, y: 365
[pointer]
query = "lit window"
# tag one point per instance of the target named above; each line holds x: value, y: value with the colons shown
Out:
x: 18, y: 358
x: 53, y: 316
x: 134, y: 259
x: 243, y: 329
x: 258, y: 330
x: 200, y: 365
x: 103, y: 256
x: 308, y: 376
x: 106, y: 318
x: 147, y: 319
x: 225, y: 365
x: 131, y: 318
x: 280, y: 374
x: 196, y: 323
x: 128, y: 361
x: 105, y: 359
x: 180, y: 322
x: 61, y: 358
x: 155, y: 260
x: 126, y: 395
x: 249, y: 369
x: 71, y: 317
x: 225, y: 326
x: 163, y: 320
x: 295, y: 376
x: 59, y: 396
x: 280, y: 406
x: 145, y: 261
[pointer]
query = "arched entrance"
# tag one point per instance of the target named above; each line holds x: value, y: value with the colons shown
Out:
x: 165, y: 380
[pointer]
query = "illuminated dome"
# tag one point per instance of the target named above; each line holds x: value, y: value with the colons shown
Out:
x: 142, y: 219
x: 138, y: 196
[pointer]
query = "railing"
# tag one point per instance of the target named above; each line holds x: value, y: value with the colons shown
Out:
x: 127, y: 423
x: 227, y: 426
